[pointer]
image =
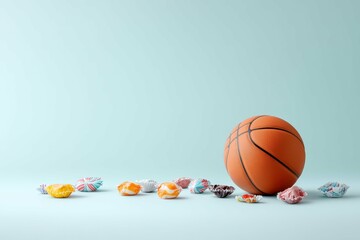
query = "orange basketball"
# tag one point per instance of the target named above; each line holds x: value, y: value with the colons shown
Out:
x: 264, y: 155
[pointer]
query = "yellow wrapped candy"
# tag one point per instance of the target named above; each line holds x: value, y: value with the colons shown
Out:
x: 60, y: 190
x: 169, y: 190
x: 129, y: 188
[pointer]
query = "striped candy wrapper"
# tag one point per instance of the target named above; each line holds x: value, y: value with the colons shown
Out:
x: 89, y: 184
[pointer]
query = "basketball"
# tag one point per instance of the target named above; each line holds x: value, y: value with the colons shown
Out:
x: 264, y: 155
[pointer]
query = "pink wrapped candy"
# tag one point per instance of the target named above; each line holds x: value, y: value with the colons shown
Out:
x: 292, y: 195
x: 183, y: 182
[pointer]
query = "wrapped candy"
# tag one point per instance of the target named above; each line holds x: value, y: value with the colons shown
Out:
x: 248, y: 198
x: 221, y: 191
x: 60, y: 190
x: 168, y: 190
x: 148, y: 185
x: 292, y: 195
x: 89, y: 184
x: 183, y: 182
x: 333, y: 189
x: 129, y: 188
x: 198, y: 185
x: 42, y: 189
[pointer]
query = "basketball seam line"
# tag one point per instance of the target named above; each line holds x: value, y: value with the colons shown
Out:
x: 242, y: 163
x: 248, y: 123
x: 227, y: 156
x: 279, y: 129
x: 275, y: 158
x: 239, y: 128
x: 243, y: 126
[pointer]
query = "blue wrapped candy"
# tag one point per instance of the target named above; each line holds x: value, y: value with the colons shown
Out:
x: 198, y: 185
x: 333, y: 189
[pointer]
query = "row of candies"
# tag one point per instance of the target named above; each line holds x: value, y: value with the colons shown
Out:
x: 171, y: 190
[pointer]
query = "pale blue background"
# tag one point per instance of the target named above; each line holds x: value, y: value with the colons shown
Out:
x: 150, y: 89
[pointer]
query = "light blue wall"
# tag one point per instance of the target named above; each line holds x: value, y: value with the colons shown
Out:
x: 152, y: 88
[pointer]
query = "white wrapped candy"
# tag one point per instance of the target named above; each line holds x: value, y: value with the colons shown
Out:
x: 148, y: 185
x: 248, y: 198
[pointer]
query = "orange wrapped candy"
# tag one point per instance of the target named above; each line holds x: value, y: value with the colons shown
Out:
x: 129, y: 188
x: 60, y: 190
x: 169, y: 190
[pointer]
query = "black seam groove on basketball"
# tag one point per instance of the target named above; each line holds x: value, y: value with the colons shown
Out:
x: 272, y: 156
x: 257, y: 119
x: 226, y: 161
x: 231, y: 140
x: 242, y: 163
x: 278, y: 129
x: 248, y: 123
x: 255, y: 129
x: 239, y: 127
x: 236, y: 137
x: 227, y: 156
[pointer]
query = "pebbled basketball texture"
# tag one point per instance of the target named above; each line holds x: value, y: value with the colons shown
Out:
x: 264, y: 155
